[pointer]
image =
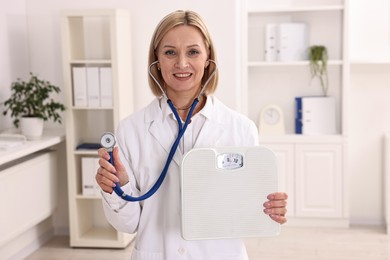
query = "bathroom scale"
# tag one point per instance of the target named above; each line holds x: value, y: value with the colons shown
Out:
x: 223, y: 191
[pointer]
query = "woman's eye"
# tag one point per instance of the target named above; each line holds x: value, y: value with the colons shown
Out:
x: 193, y: 52
x: 169, y: 52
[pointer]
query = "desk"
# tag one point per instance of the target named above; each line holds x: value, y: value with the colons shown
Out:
x: 50, y: 138
x: 28, y: 185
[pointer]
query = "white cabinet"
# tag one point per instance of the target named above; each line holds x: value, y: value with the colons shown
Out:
x: 38, y: 203
x: 311, y: 168
x: 319, y: 183
x: 94, y: 40
x: 311, y: 172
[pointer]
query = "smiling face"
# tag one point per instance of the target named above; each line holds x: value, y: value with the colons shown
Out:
x: 182, y: 56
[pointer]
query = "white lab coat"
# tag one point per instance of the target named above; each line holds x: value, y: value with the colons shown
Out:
x: 145, y: 142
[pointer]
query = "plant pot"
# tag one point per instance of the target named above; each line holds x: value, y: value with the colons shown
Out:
x: 31, y: 127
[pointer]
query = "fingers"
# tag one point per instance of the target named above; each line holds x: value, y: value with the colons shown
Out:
x: 106, y: 180
x: 104, y: 161
x: 276, y: 207
x: 105, y: 176
x: 105, y: 184
x: 117, y: 161
x: 277, y: 214
x: 278, y: 218
x: 271, y: 210
x: 277, y: 196
x: 103, y: 154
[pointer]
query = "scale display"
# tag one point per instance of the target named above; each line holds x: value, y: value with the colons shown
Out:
x: 230, y: 161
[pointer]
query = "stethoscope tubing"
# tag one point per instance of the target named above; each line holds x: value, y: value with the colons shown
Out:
x: 157, y: 184
x: 182, y: 128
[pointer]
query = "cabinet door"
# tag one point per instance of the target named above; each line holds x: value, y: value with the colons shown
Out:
x: 285, y: 155
x: 318, y: 181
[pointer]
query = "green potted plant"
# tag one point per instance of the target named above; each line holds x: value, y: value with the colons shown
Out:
x: 318, y: 57
x: 30, y: 102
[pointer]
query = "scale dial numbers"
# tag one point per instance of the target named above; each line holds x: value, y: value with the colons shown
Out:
x: 230, y: 161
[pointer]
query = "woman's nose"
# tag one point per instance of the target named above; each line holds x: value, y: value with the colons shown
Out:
x: 182, y: 61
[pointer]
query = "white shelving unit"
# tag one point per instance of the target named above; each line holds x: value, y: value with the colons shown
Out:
x: 312, y: 169
x: 94, y: 38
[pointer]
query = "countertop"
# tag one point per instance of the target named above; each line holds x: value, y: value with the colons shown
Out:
x: 49, y: 138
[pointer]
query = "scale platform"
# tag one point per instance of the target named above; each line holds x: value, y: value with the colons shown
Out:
x: 223, y: 191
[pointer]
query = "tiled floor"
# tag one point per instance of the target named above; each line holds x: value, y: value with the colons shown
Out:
x: 357, y: 243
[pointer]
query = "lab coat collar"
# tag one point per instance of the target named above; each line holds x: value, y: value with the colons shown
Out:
x: 209, y: 135
x: 166, y: 110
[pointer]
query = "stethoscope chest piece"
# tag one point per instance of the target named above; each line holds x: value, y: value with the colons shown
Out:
x: 108, y: 141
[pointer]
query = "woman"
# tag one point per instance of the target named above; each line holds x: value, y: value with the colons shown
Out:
x: 182, y: 59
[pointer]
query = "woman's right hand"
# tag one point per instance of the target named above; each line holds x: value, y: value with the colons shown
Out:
x: 107, y: 175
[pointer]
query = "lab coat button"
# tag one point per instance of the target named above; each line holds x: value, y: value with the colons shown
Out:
x: 181, y: 251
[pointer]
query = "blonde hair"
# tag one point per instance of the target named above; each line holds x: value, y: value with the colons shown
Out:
x: 170, y: 21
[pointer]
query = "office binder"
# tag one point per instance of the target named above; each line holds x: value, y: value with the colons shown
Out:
x: 292, y: 42
x: 315, y: 115
x: 105, y: 87
x: 270, y: 42
x: 93, y: 87
x: 88, y: 171
x: 319, y: 115
x: 79, y: 87
x: 298, y: 115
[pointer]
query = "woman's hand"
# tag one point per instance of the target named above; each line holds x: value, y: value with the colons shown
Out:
x: 107, y: 175
x: 275, y: 207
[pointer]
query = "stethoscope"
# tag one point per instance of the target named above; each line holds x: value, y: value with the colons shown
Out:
x: 108, y: 139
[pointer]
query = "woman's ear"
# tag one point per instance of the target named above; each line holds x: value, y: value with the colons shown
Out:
x: 206, y: 64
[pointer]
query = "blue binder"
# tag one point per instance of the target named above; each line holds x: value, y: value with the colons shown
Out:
x: 298, y: 115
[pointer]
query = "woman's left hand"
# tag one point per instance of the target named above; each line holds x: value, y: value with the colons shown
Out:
x: 275, y: 207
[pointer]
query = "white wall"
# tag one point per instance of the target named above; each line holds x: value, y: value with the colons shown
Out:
x: 369, y: 110
x: 370, y: 30
x: 369, y: 120
x: 13, y: 49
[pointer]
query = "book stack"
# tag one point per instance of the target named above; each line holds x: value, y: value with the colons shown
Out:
x: 315, y: 115
x: 92, y: 86
x: 286, y: 42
